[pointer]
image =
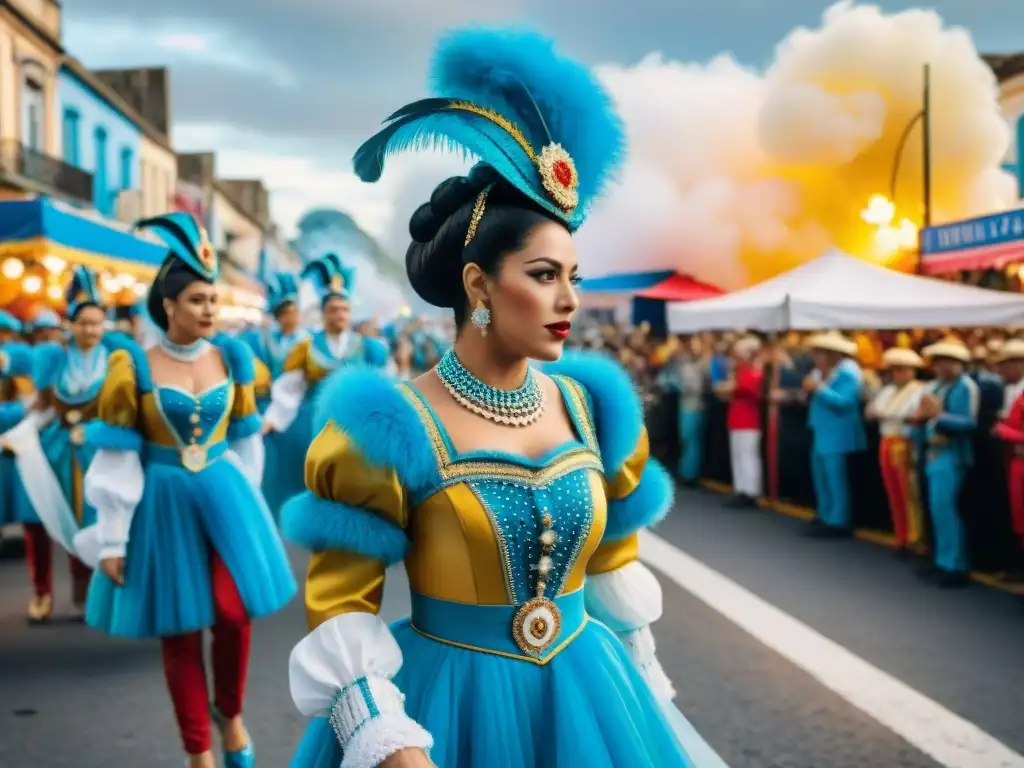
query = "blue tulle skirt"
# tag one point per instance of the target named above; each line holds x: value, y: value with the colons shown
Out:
x: 587, y: 708
x: 167, y: 564
x: 14, y: 504
x: 284, y: 475
x: 70, y: 462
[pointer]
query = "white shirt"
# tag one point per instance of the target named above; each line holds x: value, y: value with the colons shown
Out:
x: 893, y: 404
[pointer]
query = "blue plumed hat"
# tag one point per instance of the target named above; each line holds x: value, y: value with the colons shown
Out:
x: 83, y: 291
x: 507, y: 97
x: 186, y: 241
x: 46, y: 319
x: 282, y: 288
x: 330, y: 277
x: 9, y: 322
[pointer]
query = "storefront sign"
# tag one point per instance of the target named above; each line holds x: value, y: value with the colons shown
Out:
x: 990, y: 242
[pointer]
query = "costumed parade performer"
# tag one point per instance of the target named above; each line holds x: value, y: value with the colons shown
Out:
x: 310, y: 360
x: 68, y: 378
x: 17, y: 394
x: 513, y: 496
x: 948, y: 413
x: 184, y: 540
x: 271, y: 346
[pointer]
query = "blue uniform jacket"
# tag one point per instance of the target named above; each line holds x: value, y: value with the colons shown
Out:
x: 953, y: 430
x: 835, y: 415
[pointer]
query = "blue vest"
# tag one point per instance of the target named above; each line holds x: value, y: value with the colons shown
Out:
x: 955, y: 426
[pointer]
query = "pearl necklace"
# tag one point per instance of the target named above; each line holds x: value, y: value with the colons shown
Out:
x: 184, y: 353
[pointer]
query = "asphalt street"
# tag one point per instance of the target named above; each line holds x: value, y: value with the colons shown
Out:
x: 72, y: 697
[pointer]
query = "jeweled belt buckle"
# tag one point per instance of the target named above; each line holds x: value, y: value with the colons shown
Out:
x: 193, y: 458
x: 73, y: 417
x: 77, y: 435
x: 536, y: 625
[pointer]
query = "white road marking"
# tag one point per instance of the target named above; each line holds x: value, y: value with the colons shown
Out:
x: 944, y: 736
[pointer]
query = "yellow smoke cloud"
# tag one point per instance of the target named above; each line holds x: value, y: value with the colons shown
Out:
x: 734, y: 176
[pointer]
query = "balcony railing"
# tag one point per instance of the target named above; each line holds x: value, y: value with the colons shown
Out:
x: 50, y: 175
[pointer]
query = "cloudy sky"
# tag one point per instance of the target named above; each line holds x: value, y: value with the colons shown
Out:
x: 286, y: 91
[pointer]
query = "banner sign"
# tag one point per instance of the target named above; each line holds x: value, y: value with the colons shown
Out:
x: 989, y: 242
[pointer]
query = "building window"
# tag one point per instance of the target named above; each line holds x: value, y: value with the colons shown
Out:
x: 126, y: 167
x: 33, y: 114
x: 101, y: 197
x: 71, y: 151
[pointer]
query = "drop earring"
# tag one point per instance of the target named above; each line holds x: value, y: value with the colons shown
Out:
x: 481, y: 318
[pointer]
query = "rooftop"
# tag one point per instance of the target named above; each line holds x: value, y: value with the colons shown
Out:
x: 1005, y: 65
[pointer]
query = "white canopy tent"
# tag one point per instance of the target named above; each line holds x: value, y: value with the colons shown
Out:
x: 837, y: 291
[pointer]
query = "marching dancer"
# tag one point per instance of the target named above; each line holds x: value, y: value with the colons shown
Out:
x: 184, y: 540
x: 514, y: 496
x: 837, y: 426
x: 17, y: 394
x: 948, y: 414
x: 893, y: 407
x: 271, y: 347
x: 310, y: 361
x: 68, y: 378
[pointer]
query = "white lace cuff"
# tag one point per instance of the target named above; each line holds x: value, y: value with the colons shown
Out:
x: 343, y: 670
x: 382, y: 737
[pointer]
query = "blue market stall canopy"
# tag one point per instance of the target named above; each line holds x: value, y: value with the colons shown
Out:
x: 632, y: 282
x: 990, y: 242
x: 32, y: 229
x: 660, y: 286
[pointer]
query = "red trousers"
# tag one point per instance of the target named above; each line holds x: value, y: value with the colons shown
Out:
x: 185, y: 670
x: 1015, y: 474
x: 900, y: 479
x: 39, y: 556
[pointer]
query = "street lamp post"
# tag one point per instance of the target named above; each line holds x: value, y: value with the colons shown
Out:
x: 924, y: 116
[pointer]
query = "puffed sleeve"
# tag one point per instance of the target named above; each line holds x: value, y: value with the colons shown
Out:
x: 620, y: 591
x: 262, y: 381
x: 353, y: 519
x: 289, y: 389
x: 114, y: 482
x: 245, y: 425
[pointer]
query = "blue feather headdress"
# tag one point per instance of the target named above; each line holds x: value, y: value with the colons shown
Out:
x: 507, y: 97
x: 330, y: 277
x: 186, y: 241
x: 283, y: 287
x: 83, y: 291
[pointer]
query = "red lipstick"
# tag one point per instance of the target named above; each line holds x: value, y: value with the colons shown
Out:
x: 560, y: 330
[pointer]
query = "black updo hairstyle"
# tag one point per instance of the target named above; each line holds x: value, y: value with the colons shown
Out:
x: 174, y: 277
x: 438, y: 253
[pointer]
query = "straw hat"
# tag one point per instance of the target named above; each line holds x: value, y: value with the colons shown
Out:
x: 951, y: 348
x: 980, y: 352
x: 833, y: 341
x: 746, y: 346
x: 895, y: 357
x: 1011, y: 349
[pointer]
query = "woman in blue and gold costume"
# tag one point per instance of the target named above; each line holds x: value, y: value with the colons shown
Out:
x: 17, y: 394
x: 314, y: 357
x: 271, y: 346
x: 68, y: 377
x: 514, y: 496
x: 184, y: 540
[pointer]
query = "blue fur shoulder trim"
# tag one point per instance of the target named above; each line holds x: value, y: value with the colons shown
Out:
x: 317, y: 524
x: 369, y: 407
x: 647, y: 505
x: 19, y: 359
x: 617, y: 410
x: 376, y: 352
x: 47, y: 361
x: 253, y: 338
x: 102, y: 436
x: 237, y: 359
